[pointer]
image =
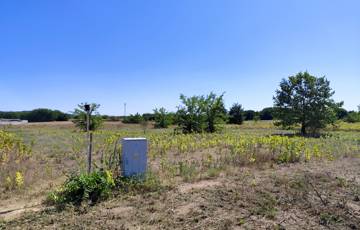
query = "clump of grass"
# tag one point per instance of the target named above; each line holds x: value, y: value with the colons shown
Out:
x: 341, y: 182
x: 213, y: 172
x: 144, y: 184
x: 327, y: 219
x: 265, y: 205
x: 188, y: 171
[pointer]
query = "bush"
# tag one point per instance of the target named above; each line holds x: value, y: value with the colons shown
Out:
x: 267, y: 114
x: 162, y: 118
x: 84, y: 187
x: 353, y: 117
x: 249, y: 115
x: 133, y: 119
x: 148, y: 117
x: 98, y: 186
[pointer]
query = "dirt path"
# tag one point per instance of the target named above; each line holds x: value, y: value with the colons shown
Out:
x: 26, y: 201
x: 11, y: 213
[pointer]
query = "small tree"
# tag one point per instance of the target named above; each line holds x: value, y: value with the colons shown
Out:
x: 201, y: 114
x: 236, y: 114
x: 190, y: 115
x: 215, y: 112
x: 162, y: 118
x: 79, y: 114
x: 305, y: 100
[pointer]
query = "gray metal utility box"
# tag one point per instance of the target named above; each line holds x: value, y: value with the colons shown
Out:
x: 134, y: 156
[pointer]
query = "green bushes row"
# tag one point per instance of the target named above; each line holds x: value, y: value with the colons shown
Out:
x: 352, y: 117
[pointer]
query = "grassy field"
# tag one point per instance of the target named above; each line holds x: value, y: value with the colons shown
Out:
x: 253, y: 176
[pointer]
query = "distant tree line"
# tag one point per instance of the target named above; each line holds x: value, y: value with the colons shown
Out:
x: 235, y: 115
x: 302, y: 101
x: 37, y: 115
x: 163, y: 118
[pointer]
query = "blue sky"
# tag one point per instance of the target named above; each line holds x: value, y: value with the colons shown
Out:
x: 56, y: 54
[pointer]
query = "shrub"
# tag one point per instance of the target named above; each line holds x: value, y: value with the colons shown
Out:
x: 267, y: 114
x: 353, y: 117
x: 83, y: 187
x: 162, y: 118
x: 249, y: 115
x: 149, y: 116
x: 133, y: 119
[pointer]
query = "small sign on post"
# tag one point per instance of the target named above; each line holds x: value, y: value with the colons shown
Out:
x: 134, y: 157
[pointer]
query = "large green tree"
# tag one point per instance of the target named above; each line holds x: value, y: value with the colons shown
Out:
x: 305, y: 100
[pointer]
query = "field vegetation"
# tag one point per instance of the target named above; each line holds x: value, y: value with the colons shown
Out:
x: 207, y: 168
x: 44, y: 156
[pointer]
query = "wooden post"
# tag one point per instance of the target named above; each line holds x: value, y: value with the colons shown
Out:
x: 89, y: 153
x: 89, y: 136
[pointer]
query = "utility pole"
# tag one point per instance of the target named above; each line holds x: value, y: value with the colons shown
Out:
x: 124, y: 109
x: 88, y: 111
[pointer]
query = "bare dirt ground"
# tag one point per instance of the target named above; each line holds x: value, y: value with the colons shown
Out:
x: 317, y: 195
